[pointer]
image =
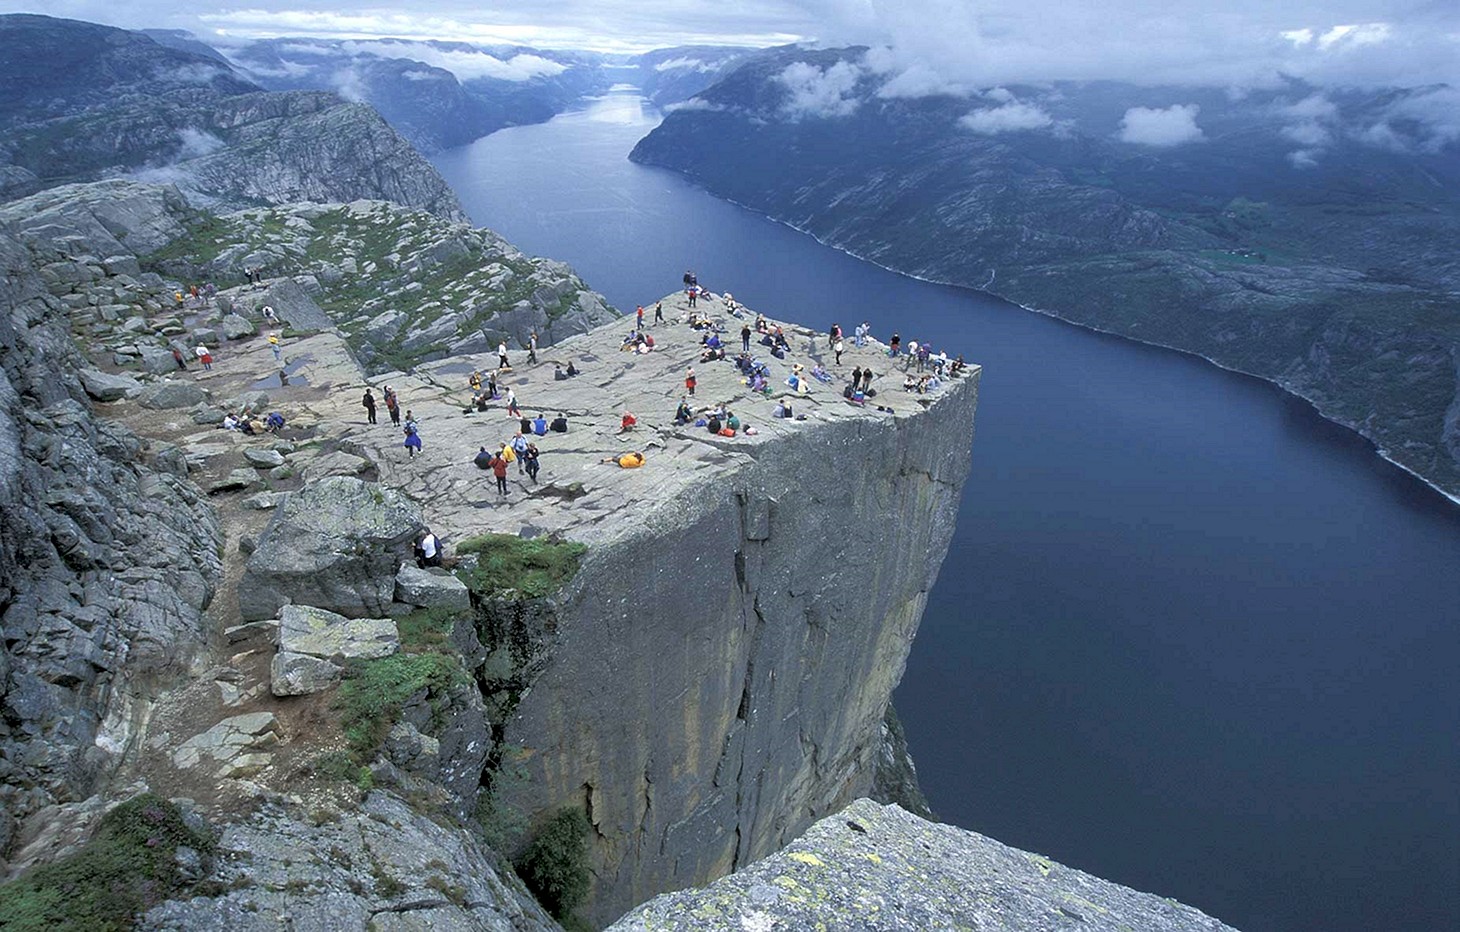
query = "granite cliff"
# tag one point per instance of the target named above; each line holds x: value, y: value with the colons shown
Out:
x: 695, y: 656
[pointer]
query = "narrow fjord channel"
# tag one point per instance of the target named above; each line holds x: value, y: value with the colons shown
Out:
x: 1189, y: 637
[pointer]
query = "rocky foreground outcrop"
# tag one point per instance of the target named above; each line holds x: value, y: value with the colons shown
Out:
x: 879, y: 869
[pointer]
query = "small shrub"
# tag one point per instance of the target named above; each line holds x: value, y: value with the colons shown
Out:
x: 535, y: 568
x: 555, y: 865
x: 373, y: 691
x: 426, y: 629
x: 127, y: 867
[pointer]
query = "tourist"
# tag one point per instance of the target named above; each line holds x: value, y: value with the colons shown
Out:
x: 428, y: 550
x: 274, y: 346
x: 177, y: 357
x: 863, y: 330
x: 639, y: 318
x: 558, y: 374
x: 519, y: 447
x: 529, y: 459
x: 690, y: 381
x: 532, y: 349
x: 682, y: 414
x: 205, y: 357
x: 512, y: 409
x: 857, y: 378
x: 540, y: 425
x: 658, y: 313
x: 502, y: 355
x: 559, y: 424
x: 499, y: 470
x: 627, y: 460
x: 413, y: 436
x: 572, y: 370
x: 745, y: 338
x: 483, y: 459
x: 894, y: 345
x: 627, y: 423
x: 838, y: 348
x: 369, y: 404
x: 392, y: 405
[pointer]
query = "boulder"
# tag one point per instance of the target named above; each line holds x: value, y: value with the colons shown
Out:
x: 335, y: 544
x: 157, y: 361
x: 431, y: 588
x: 263, y: 459
x: 105, y: 387
x: 171, y: 394
x: 301, y: 674
x: 239, y: 480
x: 236, y: 327
x: 304, y: 629
x: 338, y: 463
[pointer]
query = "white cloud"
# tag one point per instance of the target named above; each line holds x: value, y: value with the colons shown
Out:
x: 421, y: 75
x: 1308, y: 134
x: 820, y: 93
x: 346, y: 82
x: 197, y: 142
x: 684, y: 64
x: 1161, y: 128
x: 466, y: 65
x: 1303, y: 158
x: 1008, y: 118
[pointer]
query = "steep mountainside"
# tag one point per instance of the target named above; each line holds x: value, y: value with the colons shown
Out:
x: 436, y: 94
x: 133, y: 107
x: 668, y: 76
x: 1296, y: 234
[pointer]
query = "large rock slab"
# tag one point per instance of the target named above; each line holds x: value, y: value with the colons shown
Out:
x: 301, y: 674
x: 431, y: 589
x: 872, y: 868
x: 172, y: 395
x: 335, y: 544
x: 222, y: 746
x: 105, y: 387
x: 236, y: 327
x: 319, y: 633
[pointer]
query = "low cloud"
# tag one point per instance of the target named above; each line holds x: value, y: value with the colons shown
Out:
x: 1160, y: 128
x: 684, y: 64
x: 1011, y: 117
x: 466, y: 65
x: 348, y: 84
x: 819, y: 93
x: 197, y: 143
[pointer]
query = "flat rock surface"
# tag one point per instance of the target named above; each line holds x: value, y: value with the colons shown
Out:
x: 319, y: 633
x: 578, y: 494
x: 873, y: 867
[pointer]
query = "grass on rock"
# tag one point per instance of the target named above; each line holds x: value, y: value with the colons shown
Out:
x: 534, y: 568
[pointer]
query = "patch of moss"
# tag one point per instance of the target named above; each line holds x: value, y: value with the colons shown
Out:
x: 534, y: 568
x: 427, y: 629
x: 127, y: 867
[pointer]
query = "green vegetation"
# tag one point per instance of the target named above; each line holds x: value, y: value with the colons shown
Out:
x: 534, y: 568
x: 127, y: 867
x: 555, y: 865
x: 503, y: 823
x: 373, y: 691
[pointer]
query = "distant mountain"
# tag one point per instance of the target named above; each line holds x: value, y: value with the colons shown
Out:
x: 1303, y: 235
x: 80, y: 102
x: 436, y: 94
x: 668, y: 76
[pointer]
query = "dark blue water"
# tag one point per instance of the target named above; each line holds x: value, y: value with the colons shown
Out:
x: 1190, y: 636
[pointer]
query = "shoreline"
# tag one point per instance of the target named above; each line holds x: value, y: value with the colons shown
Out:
x: 1452, y: 498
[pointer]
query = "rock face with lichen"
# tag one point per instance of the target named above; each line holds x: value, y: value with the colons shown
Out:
x: 880, y: 868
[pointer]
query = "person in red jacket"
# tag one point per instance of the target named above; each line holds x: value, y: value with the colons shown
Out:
x: 690, y: 381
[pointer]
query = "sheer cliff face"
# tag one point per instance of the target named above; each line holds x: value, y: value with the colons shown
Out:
x: 721, y: 673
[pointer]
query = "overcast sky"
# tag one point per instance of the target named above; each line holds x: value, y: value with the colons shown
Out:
x: 934, y: 43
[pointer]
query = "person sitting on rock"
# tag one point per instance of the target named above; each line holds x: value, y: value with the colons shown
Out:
x: 558, y: 374
x: 475, y: 380
x: 540, y: 425
x: 627, y: 423
x: 783, y: 409
x: 682, y: 414
x: 819, y: 373
x: 274, y: 422
x: 572, y: 370
x: 714, y: 424
x: 524, y: 424
x: 230, y: 422
x: 713, y: 355
x: 483, y: 459
x: 559, y: 424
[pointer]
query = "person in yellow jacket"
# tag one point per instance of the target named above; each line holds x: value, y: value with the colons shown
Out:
x: 627, y: 460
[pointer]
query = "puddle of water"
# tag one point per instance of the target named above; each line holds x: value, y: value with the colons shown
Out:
x: 286, y: 377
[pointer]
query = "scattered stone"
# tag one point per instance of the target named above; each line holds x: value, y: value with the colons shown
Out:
x: 293, y: 674
x: 239, y: 480
x: 281, y: 473
x: 263, y: 501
